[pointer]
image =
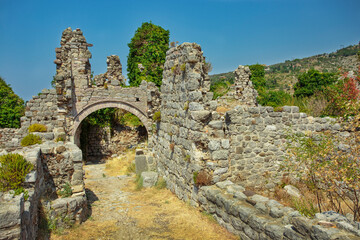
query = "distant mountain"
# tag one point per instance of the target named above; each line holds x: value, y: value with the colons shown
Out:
x: 284, y: 75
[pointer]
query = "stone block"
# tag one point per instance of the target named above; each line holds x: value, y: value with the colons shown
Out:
x: 149, y: 178
x: 141, y: 164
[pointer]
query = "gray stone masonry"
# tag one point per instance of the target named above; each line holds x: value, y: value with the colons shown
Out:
x: 258, y: 217
x: 54, y: 165
x: 242, y: 91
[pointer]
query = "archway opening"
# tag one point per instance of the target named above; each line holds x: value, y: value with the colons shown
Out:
x: 109, y: 132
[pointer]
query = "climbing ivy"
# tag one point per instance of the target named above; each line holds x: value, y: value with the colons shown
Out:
x: 147, y: 52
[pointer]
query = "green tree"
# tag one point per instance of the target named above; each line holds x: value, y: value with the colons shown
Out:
x: 313, y: 81
x: 11, y: 107
x: 258, y: 76
x: 147, y: 54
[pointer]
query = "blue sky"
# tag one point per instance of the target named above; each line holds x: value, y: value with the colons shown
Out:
x: 231, y: 32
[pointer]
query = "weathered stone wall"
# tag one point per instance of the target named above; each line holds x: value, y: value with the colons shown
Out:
x: 97, y: 142
x: 54, y: 165
x: 185, y: 111
x: 63, y: 165
x: 10, y: 138
x: 244, y: 144
x: 252, y: 216
x: 242, y: 91
x: 106, y: 141
x: 19, y: 217
x: 258, y: 138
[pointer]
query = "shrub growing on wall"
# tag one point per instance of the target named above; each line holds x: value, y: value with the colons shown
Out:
x: 11, y: 107
x: 30, y: 139
x: 13, y: 170
x: 147, y: 54
x: 36, y: 127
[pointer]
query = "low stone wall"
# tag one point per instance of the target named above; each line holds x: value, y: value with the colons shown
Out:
x: 54, y: 165
x: 19, y: 216
x: 258, y: 137
x: 255, y: 217
x: 10, y: 138
x: 43, y: 109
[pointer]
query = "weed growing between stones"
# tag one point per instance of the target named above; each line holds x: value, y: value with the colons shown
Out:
x: 209, y: 216
x: 139, y: 182
x: 305, y: 207
x: 161, y: 183
x: 157, y: 116
x: 59, y: 139
x: 202, y: 178
x: 65, y: 191
x: 172, y: 146
x: 30, y: 139
x: 13, y: 169
x: 130, y: 169
x: 36, y: 127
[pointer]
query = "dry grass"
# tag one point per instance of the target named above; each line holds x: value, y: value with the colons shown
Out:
x: 119, y: 165
x: 105, y: 230
x: 178, y: 220
x: 148, y: 214
x: 222, y: 109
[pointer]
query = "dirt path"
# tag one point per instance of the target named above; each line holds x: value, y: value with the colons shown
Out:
x: 118, y: 211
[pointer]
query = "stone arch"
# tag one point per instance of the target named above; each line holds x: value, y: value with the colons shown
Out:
x: 109, y: 103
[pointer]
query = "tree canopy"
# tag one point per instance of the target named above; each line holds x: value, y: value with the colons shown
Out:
x: 147, y: 54
x: 11, y: 107
x: 311, y: 82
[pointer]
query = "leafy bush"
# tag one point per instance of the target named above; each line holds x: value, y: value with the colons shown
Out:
x: 128, y: 119
x: 148, y: 47
x: 65, y: 191
x: 11, y: 107
x: 305, y: 207
x: 36, y: 127
x: 157, y: 116
x: 30, y: 139
x: 344, y: 97
x: 273, y: 98
x: 328, y: 170
x: 312, y: 81
x: 13, y: 169
x: 219, y: 88
x: 101, y: 118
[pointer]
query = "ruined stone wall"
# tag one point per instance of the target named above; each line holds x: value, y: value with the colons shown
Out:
x: 185, y: 111
x: 252, y: 216
x: 98, y: 141
x: 40, y: 109
x: 10, y: 138
x: 19, y: 216
x: 54, y: 165
x: 244, y: 144
x: 43, y: 109
x: 242, y: 91
x: 258, y: 138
